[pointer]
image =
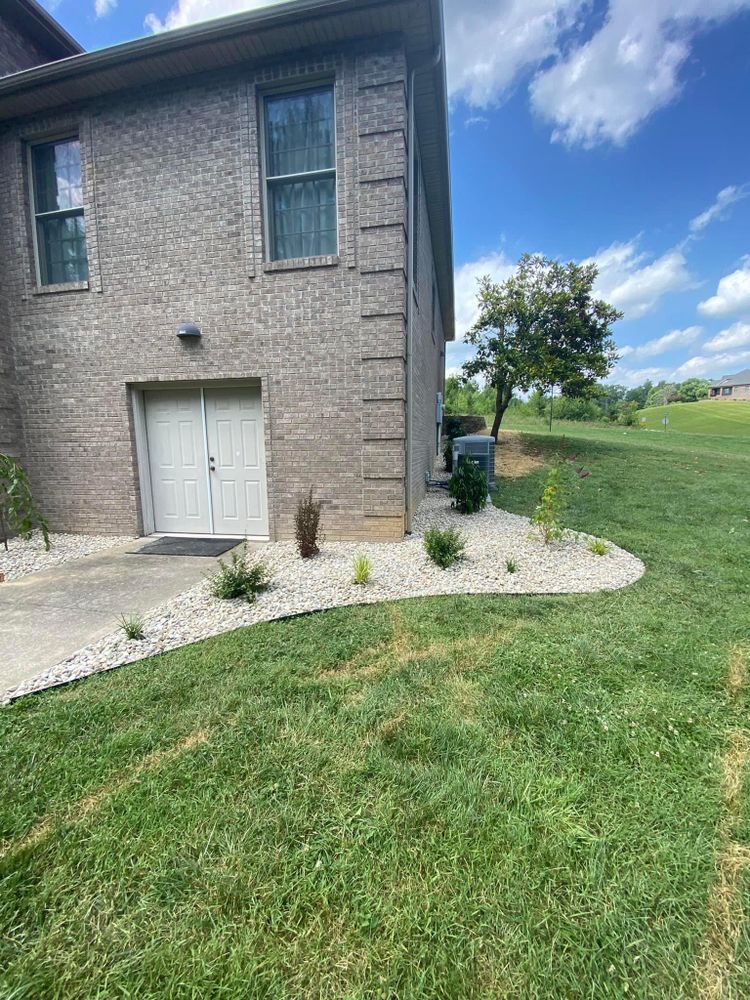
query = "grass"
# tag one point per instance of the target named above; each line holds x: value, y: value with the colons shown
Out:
x: 730, y: 419
x: 460, y: 797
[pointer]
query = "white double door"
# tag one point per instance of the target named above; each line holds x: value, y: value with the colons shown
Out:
x: 206, y: 460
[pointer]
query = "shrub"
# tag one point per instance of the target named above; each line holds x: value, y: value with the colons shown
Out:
x: 238, y: 579
x: 307, y: 526
x: 511, y: 565
x: 448, y: 455
x: 443, y: 546
x: 362, y: 569
x: 18, y: 512
x: 598, y: 546
x: 551, y: 506
x: 132, y: 626
x: 456, y: 425
x: 468, y: 487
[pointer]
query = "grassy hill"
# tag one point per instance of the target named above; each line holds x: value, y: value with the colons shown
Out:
x: 728, y: 419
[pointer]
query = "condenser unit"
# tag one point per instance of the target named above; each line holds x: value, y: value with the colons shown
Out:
x: 478, y: 448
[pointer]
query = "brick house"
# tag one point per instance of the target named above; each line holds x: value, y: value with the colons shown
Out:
x: 226, y: 268
x: 731, y: 387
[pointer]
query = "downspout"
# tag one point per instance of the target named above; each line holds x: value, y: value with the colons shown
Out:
x: 411, y: 213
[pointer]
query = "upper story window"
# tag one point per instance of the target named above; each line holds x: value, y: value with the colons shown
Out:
x: 57, y: 202
x: 300, y: 174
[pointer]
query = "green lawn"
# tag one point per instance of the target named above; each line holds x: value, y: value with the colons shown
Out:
x: 726, y: 419
x: 456, y: 797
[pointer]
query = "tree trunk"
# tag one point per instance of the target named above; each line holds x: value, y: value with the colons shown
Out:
x: 502, y: 401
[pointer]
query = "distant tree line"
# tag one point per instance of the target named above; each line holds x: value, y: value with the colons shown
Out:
x: 613, y: 403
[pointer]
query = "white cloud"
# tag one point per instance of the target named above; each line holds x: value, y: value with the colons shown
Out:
x: 736, y: 335
x: 491, y: 42
x: 726, y: 197
x: 660, y: 345
x: 189, y: 11
x: 476, y: 120
x: 104, y: 7
x: 631, y: 281
x: 623, y: 375
x: 732, y: 294
x: 711, y: 367
x: 605, y: 88
x: 466, y: 286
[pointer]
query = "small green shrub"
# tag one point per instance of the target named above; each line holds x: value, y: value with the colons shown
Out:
x: 547, y: 516
x: 238, y: 579
x: 362, y: 567
x: 307, y: 526
x: 468, y: 487
x: 18, y: 512
x: 598, y: 546
x: 444, y: 546
x: 448, y: 455
x: 511, y: 565
x: 132, y: 626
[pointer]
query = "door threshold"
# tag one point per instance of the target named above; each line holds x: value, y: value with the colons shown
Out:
x: 205, y: 534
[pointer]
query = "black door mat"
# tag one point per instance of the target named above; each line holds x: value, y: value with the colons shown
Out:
x: 186, y: 547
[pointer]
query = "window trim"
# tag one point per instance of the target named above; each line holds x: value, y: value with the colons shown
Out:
x: 60, y: 213
x: 319, y: 84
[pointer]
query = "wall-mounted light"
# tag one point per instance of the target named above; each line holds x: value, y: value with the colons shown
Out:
x: 188, y: 331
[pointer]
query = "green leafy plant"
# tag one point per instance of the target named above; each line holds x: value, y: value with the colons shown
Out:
x: 448, y: 455
x: 551, y: 507
x: 237, y: 578
x: 307, y: 526
x: 362, y: 569
x: 511, y: 565
x: 132, y: 626
x: 444, y: 546
x: 598, y: 546
x: 468, y: 487
x: 18, y: 512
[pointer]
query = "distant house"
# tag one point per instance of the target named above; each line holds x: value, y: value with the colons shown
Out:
x: 731, y: 386
x: 226, y: 268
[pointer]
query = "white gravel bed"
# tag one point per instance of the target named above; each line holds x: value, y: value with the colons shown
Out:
x: 23, y: 558
x: 400, y: 570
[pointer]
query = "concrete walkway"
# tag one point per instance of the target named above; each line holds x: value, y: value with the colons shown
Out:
x: 47, y: 616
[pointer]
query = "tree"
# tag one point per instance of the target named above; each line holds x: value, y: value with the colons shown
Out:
x: 639, y: 394
x: 662, y: 394
x: 692, y: 389
x: 541, y: 328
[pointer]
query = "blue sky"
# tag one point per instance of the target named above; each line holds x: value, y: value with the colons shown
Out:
x: 613, y: 130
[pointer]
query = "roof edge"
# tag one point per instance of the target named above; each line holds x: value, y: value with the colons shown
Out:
x: 43, y: 27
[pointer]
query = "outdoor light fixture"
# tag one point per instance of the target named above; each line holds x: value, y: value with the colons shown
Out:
x: 188, y: 330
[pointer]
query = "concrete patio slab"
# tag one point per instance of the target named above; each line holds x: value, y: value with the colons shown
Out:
x: 47, y: 616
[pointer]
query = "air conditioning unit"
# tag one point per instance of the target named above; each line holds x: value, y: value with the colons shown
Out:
x: 478, y: 448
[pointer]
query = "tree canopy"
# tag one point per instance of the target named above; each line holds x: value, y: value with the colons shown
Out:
x: 540, y: 328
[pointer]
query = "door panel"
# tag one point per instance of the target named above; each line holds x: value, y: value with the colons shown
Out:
x: 179, y: 476
x: 234, y: 424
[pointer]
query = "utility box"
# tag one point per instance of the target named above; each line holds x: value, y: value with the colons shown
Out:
x: 478, y: 448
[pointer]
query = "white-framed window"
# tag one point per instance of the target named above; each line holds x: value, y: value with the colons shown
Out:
x: 58, y: 221
x: 299, y: 170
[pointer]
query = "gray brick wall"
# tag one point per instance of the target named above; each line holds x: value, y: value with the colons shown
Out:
x: 175, y: 232
x: 17, y: 51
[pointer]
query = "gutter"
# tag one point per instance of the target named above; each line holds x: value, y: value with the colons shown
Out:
x: 215, y: 29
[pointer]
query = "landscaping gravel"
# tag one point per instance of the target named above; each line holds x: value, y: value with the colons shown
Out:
x: 23, y: 558
x: 400, y: 570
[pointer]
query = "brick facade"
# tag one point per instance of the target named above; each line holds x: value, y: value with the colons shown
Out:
x: 173, y: 209
x: 17, y: 50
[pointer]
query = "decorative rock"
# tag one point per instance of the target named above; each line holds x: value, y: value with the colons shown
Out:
x: 400, y: 570
x: 23, y: 558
